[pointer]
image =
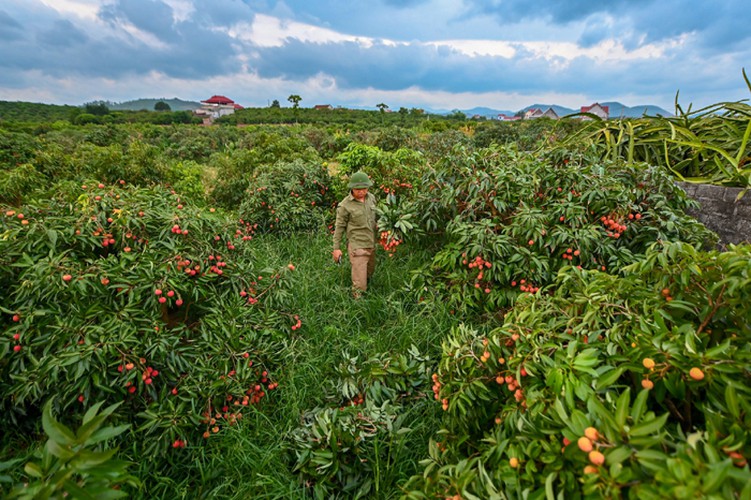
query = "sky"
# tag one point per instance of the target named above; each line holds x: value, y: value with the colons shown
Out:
x: 429, y: 54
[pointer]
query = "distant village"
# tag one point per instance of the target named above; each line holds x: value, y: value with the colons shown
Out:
x: 595, y: 109
x: 218, y: 105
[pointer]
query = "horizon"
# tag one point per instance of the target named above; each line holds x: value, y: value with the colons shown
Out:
x: 542, y: 106
x: 405, y: 53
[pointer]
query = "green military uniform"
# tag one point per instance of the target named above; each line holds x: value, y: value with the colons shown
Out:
x: 357, y: 219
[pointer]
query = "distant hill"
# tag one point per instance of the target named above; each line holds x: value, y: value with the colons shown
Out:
x: 616, y: 110
x: 147, y: 104
x: 488, y: 112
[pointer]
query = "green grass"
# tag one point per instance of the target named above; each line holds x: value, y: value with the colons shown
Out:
x: 253, y: 459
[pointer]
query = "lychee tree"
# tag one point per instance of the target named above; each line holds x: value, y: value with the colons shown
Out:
x: 125, y: 294
x: 635, y: 384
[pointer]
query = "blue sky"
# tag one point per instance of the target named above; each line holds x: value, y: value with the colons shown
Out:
x: 435, y: 54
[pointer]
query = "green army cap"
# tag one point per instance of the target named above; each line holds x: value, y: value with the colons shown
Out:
x: 359, y: 180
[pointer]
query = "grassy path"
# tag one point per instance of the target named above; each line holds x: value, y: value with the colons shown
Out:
x: 252, y: 460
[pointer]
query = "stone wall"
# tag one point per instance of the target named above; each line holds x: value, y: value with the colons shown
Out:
x: 720, y: 211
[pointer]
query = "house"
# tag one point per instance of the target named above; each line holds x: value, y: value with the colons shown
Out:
x: 533, y: 113
x: 506, y: 118
x: 550, y: 113
x: 323, y: 107
x: 216, y: 107
x: 597, y: 110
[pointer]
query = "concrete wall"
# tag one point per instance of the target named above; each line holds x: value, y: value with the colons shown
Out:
x: 720, y: 211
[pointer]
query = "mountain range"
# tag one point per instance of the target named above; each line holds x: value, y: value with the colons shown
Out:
x: 616, y: 109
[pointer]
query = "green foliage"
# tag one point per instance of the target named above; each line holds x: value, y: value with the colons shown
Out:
x: 351, y: 118
x: 352, y: 447
x: 36, y: 112
x: 18, y: 182
x: 120, y: 293
x: 711, y: 145
x: 515, y: 219
x: 288, y: 197
x: 394, y: 172
x: 80, y: 319
x: 616, y: 354
x: 186, y: 178
x: 162, y: 106
x: 359, y: 157
x: 16, y: 148
x: 96, y: 108
x: 70, y: 463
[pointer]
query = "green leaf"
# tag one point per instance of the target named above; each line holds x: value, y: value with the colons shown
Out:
x: 561, y: 410
x: 606, y: 380
x: 62, y: 452
x: 87, y: 459
x: 89, y: 428
x: 618, y: 455
x: 91, y: 412
x: 54, y: 429
x: 621, y: 408
x: 650, y: 426
x: 76, y: 491
x: 637, y: 410
x: 107, y: 433
x: 9, y: 464
x: 731, y: 400
x: 549, y: 493
x: 713, y: 479
x: 52, y: 235
x: 586, y: 359
x: 651, y: 455
x: 33, y: 470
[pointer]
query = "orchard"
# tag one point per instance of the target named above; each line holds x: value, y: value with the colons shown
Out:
x: 545, y: 319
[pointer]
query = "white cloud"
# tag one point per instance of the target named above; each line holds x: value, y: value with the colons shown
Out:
x: 86, y: 9
x: 603, y: 52
x: 182, y: 10
x: 143, y: 36
x: 268, y: 31
x: 416, y: 46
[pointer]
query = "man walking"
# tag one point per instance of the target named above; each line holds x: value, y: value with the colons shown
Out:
x: 356, y: 217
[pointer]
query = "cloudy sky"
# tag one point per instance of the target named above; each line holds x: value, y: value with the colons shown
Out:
x: 434, y: 54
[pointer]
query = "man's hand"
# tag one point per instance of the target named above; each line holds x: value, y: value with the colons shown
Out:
x: 337, y: 254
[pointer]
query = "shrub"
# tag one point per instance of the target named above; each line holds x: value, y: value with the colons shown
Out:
x: 515, y: 219
x: 133, y: 295
x: 16, y: 183
x: 357, y: 156
x: 611, y: 386
x: 294, y: 196
x: 347, y: 447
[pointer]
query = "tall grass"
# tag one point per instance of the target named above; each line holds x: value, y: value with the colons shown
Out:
x: 253, y: 459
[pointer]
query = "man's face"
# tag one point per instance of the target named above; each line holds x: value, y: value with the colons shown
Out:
x: 360, y: 194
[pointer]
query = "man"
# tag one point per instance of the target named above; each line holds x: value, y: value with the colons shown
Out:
x: 356, y: 217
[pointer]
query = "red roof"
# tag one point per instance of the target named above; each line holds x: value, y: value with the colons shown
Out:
x: 237, y: 106
x: 218, y: 99
x: 585, y: 109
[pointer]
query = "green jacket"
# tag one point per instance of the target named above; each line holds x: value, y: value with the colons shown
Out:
x: 358, y: 220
